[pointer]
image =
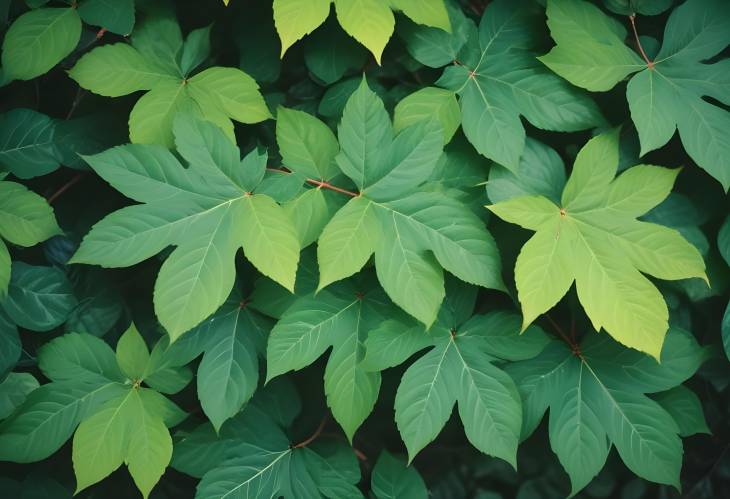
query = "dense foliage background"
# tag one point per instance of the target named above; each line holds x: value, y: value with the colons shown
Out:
x: 366, y: 340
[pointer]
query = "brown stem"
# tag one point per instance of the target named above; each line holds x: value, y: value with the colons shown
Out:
x: 573, y: 345
x: 74, y: 180
x: 314, y: 436
x: 319, y: 183
x: 649, y: 62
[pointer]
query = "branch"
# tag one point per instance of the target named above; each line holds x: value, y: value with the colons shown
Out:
x: 649, y: 62
x: 573, y: 345
x: 319, y: 183
x: 74, y: 180
x: 314, y: 436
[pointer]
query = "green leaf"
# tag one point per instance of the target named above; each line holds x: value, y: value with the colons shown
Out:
x: 132, y: 354
x: 39, y: 298
x: 38, y: 40
x: 150, y: 121
x: 577, y: 241
x: 379, y: 27
x: 347, y: 241
x: 666, y: 94
x: 228, y: 374
x: 457, y: 369
x: 26, y: 218
x: 330, y: 53
x: 29, y: 143
x: 202, y: 211
x: 296, y: 18
x: 13, y: 391
x: 500, y: 79
x: 150, y: 445
x: 196, y: 49
x: 392, y: 479
x: 340, y: 318
x: 118, y: 69
x: 117, y: 17
x: 77, y: 356
x: 4, y: 269
x: 49, y: 416
x: 423, y: 105
x: 428, y: 12
x: 270, y: 240
x: 101, y: 441
x: 310, y: 212
x: 685, y: 408
x: 307, y: 145
x: 10, y: 346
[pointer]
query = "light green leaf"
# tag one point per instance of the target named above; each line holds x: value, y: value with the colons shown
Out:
x: 132, y: 354
x: 392, y: 343
x: 597, y: 215
x: 307, y: 145
x: 25, y: 217
x: 75, y: 356
x: 347, y: 241
x: 309, y: 213
x: 375, y: 32
x: 296, y: 18
x: 150, y: 121
x: 118, y: 69
x: 428, y: 12
x: 270, y: 240
x: 38, y: 40
x: 424, y: 105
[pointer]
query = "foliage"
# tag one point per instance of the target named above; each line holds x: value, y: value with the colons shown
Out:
x: 414, y: 188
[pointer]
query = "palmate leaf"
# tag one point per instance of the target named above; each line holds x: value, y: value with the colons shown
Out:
x: 339, y: 317
x: 413, y: 234
x: 498, y: 79
x: 459, y: 369
x: 158, y: 61
x: 597, y: 398
x: 370, y: 22
x: 666, y: 95
x: 594, y: 239
x: 204, y: 210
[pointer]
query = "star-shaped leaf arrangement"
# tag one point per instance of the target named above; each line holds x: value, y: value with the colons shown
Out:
x: 207, y: 210
x: 499, y: 79
x: 370, y: 22
x: 594, y: 239
x: 666, y: 94
x: 596, y: 392
x: 157, y: 60
x: 414, y: 234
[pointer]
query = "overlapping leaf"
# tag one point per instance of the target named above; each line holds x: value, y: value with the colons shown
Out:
x: 413, y: 234
x: 207, y: 210
x: 594, y: 239
x: 596, y: 394
x: 370, y: 22
x: 159, y: 61
x: 498, y: 79
x: 666, y: 94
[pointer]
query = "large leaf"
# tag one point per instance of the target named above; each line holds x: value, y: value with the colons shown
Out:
x: 593, y: 404
x: 413, y: 234
x: 579, y: 241
x: 499, y: 79
x: 667, y: 93
x: 29, y: 143
x: 201, y: 210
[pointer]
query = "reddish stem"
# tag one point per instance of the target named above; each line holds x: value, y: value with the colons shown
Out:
x: 573, y: 345
x: 319, y: 183
x: 65, y: 187
x: 314, y: 436
x: 649, y: 62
